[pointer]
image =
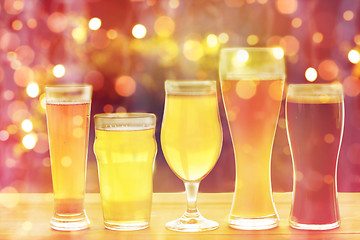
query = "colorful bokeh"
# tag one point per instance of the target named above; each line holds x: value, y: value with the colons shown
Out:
x: 127, y: 49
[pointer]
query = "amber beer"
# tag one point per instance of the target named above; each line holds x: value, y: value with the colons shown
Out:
x: 125, y: 148
x: 67, y: 111
x: 252, y: 81
x: 314, y: 114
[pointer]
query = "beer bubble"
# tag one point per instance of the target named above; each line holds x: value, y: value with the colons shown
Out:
x: 66, y: 161
x: 329, y: 138
x: 246, y: 89
x: 324, y: 98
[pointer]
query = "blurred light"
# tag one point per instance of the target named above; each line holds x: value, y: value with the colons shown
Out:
x: 10, y: 162
x: 99, y: 39
x: 246, y: 89
x: 250, y: 1
x: 32, y: 90
x: 287, y: 6
x: 329, y: 138
x: 17, y: 25
x: 12, y: 129
x: 241, y: 56
x: 278, y: 53
x: 59, y: 71
x: 26, y: 226
x: 8, y: 95
x: 164, y: 26
x: 310, y: 74
x: 95, y: 78
x: 4, y: 135
x: 111, y: 34
x: 174, y: 4
x: 139, y: 31
x: 27, y: 125
x: 193, y: 50
x: 95, y: 23
x: 66, y: 161
x: 25, y: 54
x: 212, y: 40
x: 78, y: 132
x: 108, y: 108
x: 234, y: 3
x: 354, y: 56
x: 125, y: 86
x: 348, y: 15
x: 223, y: 37
x: 9, y: 41
x: 273, y: 41
x: 57, y: 22
x: 18, y: 111
x: 351, y: 86
x: 290, y: 44
x: 29, y: 141
x: 262, y: 1
x: 46, y: 162
x: 42, y: 101
x: 357, y: 39
x: 252, y: 40
x: 318, y: 37
x: 328, y: 70
x: 11, y: 200
x: 18, y: 5
x: 13, y: 7
x: 121, y: 109
x: 79, y: 34
x: 296, y: 22
x: 32, y: 23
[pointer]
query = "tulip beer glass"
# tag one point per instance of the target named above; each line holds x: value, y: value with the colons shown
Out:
x: 191, y: 139
x: 252, y: 81
x: 67, y: 112
x: 125, y: 148
x: 315, y: 122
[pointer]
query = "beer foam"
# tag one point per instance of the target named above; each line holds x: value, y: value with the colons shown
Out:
x: 67, y: 102
x: 248, y: 77
x: 315, y: 93
x: 321, y: 99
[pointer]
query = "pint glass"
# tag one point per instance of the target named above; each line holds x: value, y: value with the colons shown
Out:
x: 252, y: 81
x: 315, y: 121
x: 67, y: 112
x: 125, y: 148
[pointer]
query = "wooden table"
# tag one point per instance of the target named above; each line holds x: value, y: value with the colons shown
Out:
x: 27, y: 216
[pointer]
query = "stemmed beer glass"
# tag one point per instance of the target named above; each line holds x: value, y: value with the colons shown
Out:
x: 252, y: 81
x: 191, y: 139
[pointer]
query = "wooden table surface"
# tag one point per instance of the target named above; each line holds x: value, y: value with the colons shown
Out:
x: 27, y: 216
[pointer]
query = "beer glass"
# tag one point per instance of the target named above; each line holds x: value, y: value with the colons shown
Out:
x: 125, y: 148
x: 315, y: 122
x: 191, y: 139
x: 252, y: 81
x: 67, y: 112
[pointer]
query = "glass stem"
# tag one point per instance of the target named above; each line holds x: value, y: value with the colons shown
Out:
x: 191, y: 193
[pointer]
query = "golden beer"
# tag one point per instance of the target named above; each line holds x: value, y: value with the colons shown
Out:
x: 125, y: 156
x: 191, y: 135
x: 252, y: 82
x: 67, y: 112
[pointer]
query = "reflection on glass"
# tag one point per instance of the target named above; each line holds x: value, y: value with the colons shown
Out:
x: 191, y: 139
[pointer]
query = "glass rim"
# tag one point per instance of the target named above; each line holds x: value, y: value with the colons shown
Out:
x: 190, y: 87
x: 69, y: 85
x: 125, y: 121
x: 316, y: 86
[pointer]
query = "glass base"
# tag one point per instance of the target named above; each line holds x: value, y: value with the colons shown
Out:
x: 70, y: 222
x: 126, y: 227
x: 192, y: 222
x: 314, y: 226
x: 260, y: 223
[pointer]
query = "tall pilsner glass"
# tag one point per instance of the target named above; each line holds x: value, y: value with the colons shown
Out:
x: 191, y: 139
x: 252, y: 81
x: 315, y: 122
x: 67, y: 112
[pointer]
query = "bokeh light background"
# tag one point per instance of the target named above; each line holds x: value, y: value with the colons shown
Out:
x: 127, y: 49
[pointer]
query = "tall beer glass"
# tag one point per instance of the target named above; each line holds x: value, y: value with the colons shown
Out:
x: 125, y: 149
x: 252, y: 81
x: 315, y: 122
x: 67, y: 112
x: 191, y: 139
